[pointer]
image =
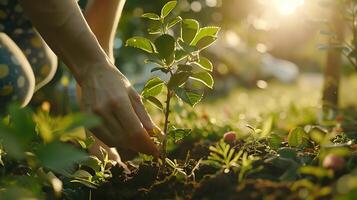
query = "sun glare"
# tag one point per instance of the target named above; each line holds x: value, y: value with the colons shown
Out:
x: 287, y: 7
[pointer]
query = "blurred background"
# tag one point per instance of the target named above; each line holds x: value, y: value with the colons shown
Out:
x: 262, y: 42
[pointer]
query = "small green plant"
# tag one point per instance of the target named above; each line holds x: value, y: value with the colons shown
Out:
x: 44, y: 147
x: 223, y: 156
x: 177, y: 170
x: 101, y: 168
x: 177, y: 56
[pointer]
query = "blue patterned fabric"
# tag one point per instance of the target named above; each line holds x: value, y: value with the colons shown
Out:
x: 15, y: 25
x: 16, y: 84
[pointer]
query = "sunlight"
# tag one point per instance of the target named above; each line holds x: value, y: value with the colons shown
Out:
x: 287, y: 7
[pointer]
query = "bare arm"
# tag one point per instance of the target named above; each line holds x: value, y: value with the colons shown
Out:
x: 63, y: 27
x: 103, y: 18
x: 105, y: 90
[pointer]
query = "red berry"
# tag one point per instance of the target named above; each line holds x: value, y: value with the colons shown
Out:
x: 230, y: 137
x: 334, y: 162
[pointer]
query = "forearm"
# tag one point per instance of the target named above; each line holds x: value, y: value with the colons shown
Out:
x: 103, y: 17
x: 62, y: 25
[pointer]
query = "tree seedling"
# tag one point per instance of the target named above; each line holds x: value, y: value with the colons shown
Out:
x: 176, y: 51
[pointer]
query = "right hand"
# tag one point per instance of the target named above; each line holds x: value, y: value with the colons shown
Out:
x: 126, y: 124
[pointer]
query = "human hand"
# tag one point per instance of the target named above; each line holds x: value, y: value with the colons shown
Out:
x: 126, y: 124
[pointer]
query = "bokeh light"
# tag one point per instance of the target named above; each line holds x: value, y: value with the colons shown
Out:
x: 287, y: 7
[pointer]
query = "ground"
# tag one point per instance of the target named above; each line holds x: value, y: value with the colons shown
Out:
x: 282, y: 172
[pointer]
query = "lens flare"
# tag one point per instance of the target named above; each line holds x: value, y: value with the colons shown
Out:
x: 287, y: 7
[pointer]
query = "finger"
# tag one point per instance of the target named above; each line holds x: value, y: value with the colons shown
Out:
x: 143, y: 115
x: 114, y: 155
x: 104, y: 135
x: 114, y: 129
x: 124, y: 155
x: 141, y: 142
x: 139, y: 139
x: 110, y: 122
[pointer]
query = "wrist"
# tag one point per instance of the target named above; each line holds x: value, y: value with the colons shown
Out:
x: 91, y: 70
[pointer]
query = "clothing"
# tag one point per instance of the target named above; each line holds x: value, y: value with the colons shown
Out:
x: 15, y: 77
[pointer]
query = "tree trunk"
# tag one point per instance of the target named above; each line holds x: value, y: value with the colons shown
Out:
x: 330, y: 98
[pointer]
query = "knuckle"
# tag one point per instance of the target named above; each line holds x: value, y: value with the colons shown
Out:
x: 114, y: 103
x: 118, y: 102
x: 138, y: 98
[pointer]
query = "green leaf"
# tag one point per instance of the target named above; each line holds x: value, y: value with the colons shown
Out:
x: 59, y: 157
x: 188, y: 97
x: 205, y: 64
x: 168, y: 7
x: 156, y: 102
x: 22, y: 122
x: 290, y: 167
x: 180, y: 55
x: 178, y: 79
x: 153, y: 87
x: 85, y: 182
x: 189, y: 29
x: 174, y: 21
x: 63, y: 128
x: 78, y: 120
x: 156, y: 62
x: 317, y: 135
x: 296, y: 137
x: 163, y: 69
x: 318, y: 172
x: 203, y: 77
x: 46, y: 126
x: 86, y: 143
x: 275, y: 141
x: 170, y: 60
x: 21, y: 187
x: 170, y: 162
x: 165, y: 45
x: 204, y: 32
x: 93, y: 163
x: 12, y: 143
x: 178, y: 134
x: 154, y: 27
x: 152, y: 16
x: 82, y: 174
x: 266, y: 129
x: 205, y: 42
x: 286, y: 152
x: 141, y: 43
x: 17, y: 136
x: 187, y: 48
x: 185, y: 68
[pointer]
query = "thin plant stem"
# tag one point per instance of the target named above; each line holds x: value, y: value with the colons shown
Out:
x: 166, y: 126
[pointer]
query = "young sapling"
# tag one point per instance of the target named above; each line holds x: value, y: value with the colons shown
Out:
x: 177, y: 55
